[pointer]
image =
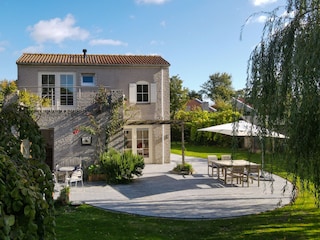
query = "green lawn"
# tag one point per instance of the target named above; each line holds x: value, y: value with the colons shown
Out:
x: 298, y: 221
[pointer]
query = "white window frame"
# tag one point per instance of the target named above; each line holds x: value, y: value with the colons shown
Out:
x: 57, y: 93
x: 67, y: 87
x: 134, y: 141
x: 152, y: 92
x: 88, y: 84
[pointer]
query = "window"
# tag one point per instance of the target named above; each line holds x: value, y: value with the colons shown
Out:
x: 59, y: 88
x: 143, y: 142
x: 142, y: 93
x: 88, y: 80
x: 48, y: 87
x: 66, y: 89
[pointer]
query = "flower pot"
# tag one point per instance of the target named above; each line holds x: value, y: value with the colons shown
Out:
x: 97, y: 177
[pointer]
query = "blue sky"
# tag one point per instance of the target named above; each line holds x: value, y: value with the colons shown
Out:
x: 198, y: 37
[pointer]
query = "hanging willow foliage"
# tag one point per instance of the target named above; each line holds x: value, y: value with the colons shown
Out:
x: 284, y: 86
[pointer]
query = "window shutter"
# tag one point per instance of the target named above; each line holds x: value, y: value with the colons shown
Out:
x: 132, y: 93
x: 153, y: 92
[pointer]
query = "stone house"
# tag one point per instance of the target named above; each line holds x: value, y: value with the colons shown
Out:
x: 194, y: 104
x: 71, y: 82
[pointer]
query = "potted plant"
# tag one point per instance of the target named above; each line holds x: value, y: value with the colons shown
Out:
x: 184, y: 169
x: 95, y: 173
x: 64, y: 197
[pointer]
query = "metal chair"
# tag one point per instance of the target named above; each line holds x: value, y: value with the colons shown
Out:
x: 76, y: 176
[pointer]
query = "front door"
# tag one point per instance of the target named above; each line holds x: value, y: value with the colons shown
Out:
x: 137, y: 140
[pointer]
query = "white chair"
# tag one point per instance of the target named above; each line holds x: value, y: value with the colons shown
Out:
x: 211, y: 164
x: 76, y: 176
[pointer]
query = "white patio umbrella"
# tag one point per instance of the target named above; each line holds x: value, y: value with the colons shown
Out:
x: 242, y: 128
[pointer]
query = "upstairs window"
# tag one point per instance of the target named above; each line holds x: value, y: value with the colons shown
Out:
x: 48, y: 83
x: 66, y: 89
x: 59, y: 88
x: 88, y: 79
x: 142, y: 93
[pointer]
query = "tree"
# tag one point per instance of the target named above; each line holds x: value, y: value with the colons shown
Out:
x: 218, y: 88
x: 178, y: 95
x: 284, y: 86
x: 26, y: 186
x: 193, y: 94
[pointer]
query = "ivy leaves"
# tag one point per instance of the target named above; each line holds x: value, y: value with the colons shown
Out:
x: 27, y: 207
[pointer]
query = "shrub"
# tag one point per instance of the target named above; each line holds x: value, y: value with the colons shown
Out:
x: 95, y: 169
x: 64, y: 197
x: 185, y: 168
x: 26, y: 206
x: 121, y: 167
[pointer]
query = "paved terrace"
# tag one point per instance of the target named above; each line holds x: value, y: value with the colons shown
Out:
x: 159, y: 193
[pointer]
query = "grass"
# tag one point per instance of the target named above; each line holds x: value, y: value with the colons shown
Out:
x: 298, y: 221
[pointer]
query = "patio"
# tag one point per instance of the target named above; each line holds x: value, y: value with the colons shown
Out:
x: 162, y: 194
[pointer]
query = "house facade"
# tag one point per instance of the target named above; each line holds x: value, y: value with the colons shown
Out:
x: 71, y: 81
x: 194, y: 104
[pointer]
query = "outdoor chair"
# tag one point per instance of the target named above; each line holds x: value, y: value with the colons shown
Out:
x: 226, y: 157
x: 54, y: 178
x: 254, y: 173
x: 211, y: 164
x: 76, y: 176
x: 237, y: 172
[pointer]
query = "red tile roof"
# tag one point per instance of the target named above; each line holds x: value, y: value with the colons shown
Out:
x: 90, y: 59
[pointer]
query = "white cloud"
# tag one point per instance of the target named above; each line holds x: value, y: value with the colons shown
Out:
x: 107, y: 42
x: 2, y: 46
x: 262, y: 19
x: 33, y: 49
x: 262, y: 2
x: 151, y: 1
x: 163, y: 23
x: 155, y: 42
x: 57, y: 30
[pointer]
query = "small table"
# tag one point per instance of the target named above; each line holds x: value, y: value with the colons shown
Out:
x: 67, y: 171
x: 224, y: 164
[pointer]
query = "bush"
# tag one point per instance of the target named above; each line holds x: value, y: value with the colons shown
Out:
x: 121, y: 167
x: 26, y: 206
x: 64, y: 197
x: 183, y: 168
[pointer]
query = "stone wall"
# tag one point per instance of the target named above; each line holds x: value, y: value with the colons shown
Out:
x: 68, y: 149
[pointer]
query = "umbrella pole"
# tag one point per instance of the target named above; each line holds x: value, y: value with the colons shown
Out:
x: 182, y: 142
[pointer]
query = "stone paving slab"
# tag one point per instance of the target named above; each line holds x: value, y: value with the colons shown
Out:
x: 160, y: 193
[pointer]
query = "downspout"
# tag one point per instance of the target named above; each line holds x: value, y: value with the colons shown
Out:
x: 162, y: 115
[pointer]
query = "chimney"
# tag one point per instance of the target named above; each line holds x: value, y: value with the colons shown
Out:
x: 84, y: 53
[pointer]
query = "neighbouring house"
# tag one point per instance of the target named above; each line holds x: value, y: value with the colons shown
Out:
x: 71, y: 81
x: 194, y: 104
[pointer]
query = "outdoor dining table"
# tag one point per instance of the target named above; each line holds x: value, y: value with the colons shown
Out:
x: 67, y: 170
x: 225, y: 164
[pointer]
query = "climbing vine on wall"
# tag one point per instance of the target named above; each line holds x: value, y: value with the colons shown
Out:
x: 106, y: 119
